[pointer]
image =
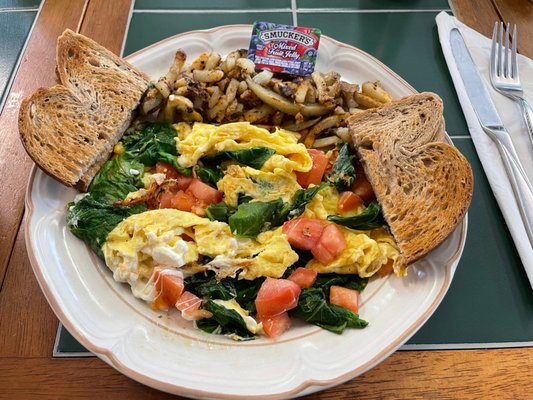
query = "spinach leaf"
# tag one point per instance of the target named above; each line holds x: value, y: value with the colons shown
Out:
x: 91, y: 220
x: 343, y: 173
x: 313, y: 307
x: 243, y: 198
x: 247, y: 292
x: 224, y: 321
x: 95, y: 215
x: 151, y: 142
x: 117, y: 177
x: 325, y: 281
x: 252, y: 218
x: 370, y: 218
x: 219, y: 212
x: 207, y: 286
x: 301, y: 198
x: 254, y: 157
x: 209, y: 175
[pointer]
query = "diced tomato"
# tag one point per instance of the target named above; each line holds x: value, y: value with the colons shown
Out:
x: 276, y: 325
x: 188, y: 300
x: 303, y: 233
x: 180, y: 201
x: 162, y: 167
x: 348, y: 201
x: 168, y: 169
x: 315, y: 174
x: 203, y: 192
x: 276, y: 296
x: 169, y: 285
x: 361, y: 186
x: 183, y: 201
x: 184, y: 181
x: 330, y: 244
x: 322, y: 254
x: 165, y: 200
x: 386, y: 268
x: 303, y: 277
x: 344, y: 297
x: 189, y: 305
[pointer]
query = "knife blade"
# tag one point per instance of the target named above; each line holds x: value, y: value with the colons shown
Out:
x: 475, y: 86
x: 491, y: 123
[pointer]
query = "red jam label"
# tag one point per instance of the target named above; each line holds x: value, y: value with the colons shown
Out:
x: 284, y: 48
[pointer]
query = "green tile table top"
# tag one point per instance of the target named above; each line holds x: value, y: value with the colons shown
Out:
x: 19, y: 4
x: 376, y: 4
x: 15, y: 26
x: 148, y: 28
x: 210, y: 4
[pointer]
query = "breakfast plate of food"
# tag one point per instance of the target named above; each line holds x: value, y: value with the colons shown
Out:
x: 216, y: 230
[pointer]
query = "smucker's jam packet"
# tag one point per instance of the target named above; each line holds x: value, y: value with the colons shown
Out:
x: 284, y: 48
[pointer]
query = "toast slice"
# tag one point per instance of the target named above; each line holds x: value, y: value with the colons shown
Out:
x: 69, y: 130
x: 423, y: 184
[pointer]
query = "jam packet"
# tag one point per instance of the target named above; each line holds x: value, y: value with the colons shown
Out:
x: 284, y: 48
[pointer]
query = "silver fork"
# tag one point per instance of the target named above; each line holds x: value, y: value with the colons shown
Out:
x: 504, y: 74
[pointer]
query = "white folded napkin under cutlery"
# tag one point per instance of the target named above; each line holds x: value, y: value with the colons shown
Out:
x: 509, y: 111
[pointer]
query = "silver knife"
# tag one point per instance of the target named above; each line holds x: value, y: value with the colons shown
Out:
x: 491, y: 123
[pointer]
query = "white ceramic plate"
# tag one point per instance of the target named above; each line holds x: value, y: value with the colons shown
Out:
x: 165, y: 352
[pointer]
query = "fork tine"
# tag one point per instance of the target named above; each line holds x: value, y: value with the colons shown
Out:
x: 506, y: 67
x: 500, y: 41
x: 493, y: 60
x: 514, y: 63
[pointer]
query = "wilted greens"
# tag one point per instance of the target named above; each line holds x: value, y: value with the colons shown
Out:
x: 370, y: 218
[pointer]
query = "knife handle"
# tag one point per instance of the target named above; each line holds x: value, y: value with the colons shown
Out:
x: 518, y: 178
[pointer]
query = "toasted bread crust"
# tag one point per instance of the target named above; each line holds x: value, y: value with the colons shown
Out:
x: 69, y: 130
x: 423, y: 184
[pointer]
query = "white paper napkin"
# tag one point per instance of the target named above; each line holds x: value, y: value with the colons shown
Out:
x: 479, y: 47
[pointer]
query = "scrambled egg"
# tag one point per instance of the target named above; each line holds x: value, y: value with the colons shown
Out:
x: 325, y: 203
x: 207, y: 140
x: 260, y: 185
x: 143, y: 241
x: 178, y: 239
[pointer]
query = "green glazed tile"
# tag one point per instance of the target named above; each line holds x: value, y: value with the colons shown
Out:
x: 67, y: 344
x: 489, y: 300
x: 148, y: 28
x: 19, y: 3
x: 376, y: 4
x: 406, y: 42
x: 210, y: 4
x: 15, y: 26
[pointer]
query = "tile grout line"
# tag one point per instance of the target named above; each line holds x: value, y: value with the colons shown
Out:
x: 293, y: 10
x: 126, y: 31
x: 463, y: 346
x: 20, y: 9
x: 369, y: 11
x: 460, y: 136
x: 203, y: 11
x: 294, y: 13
